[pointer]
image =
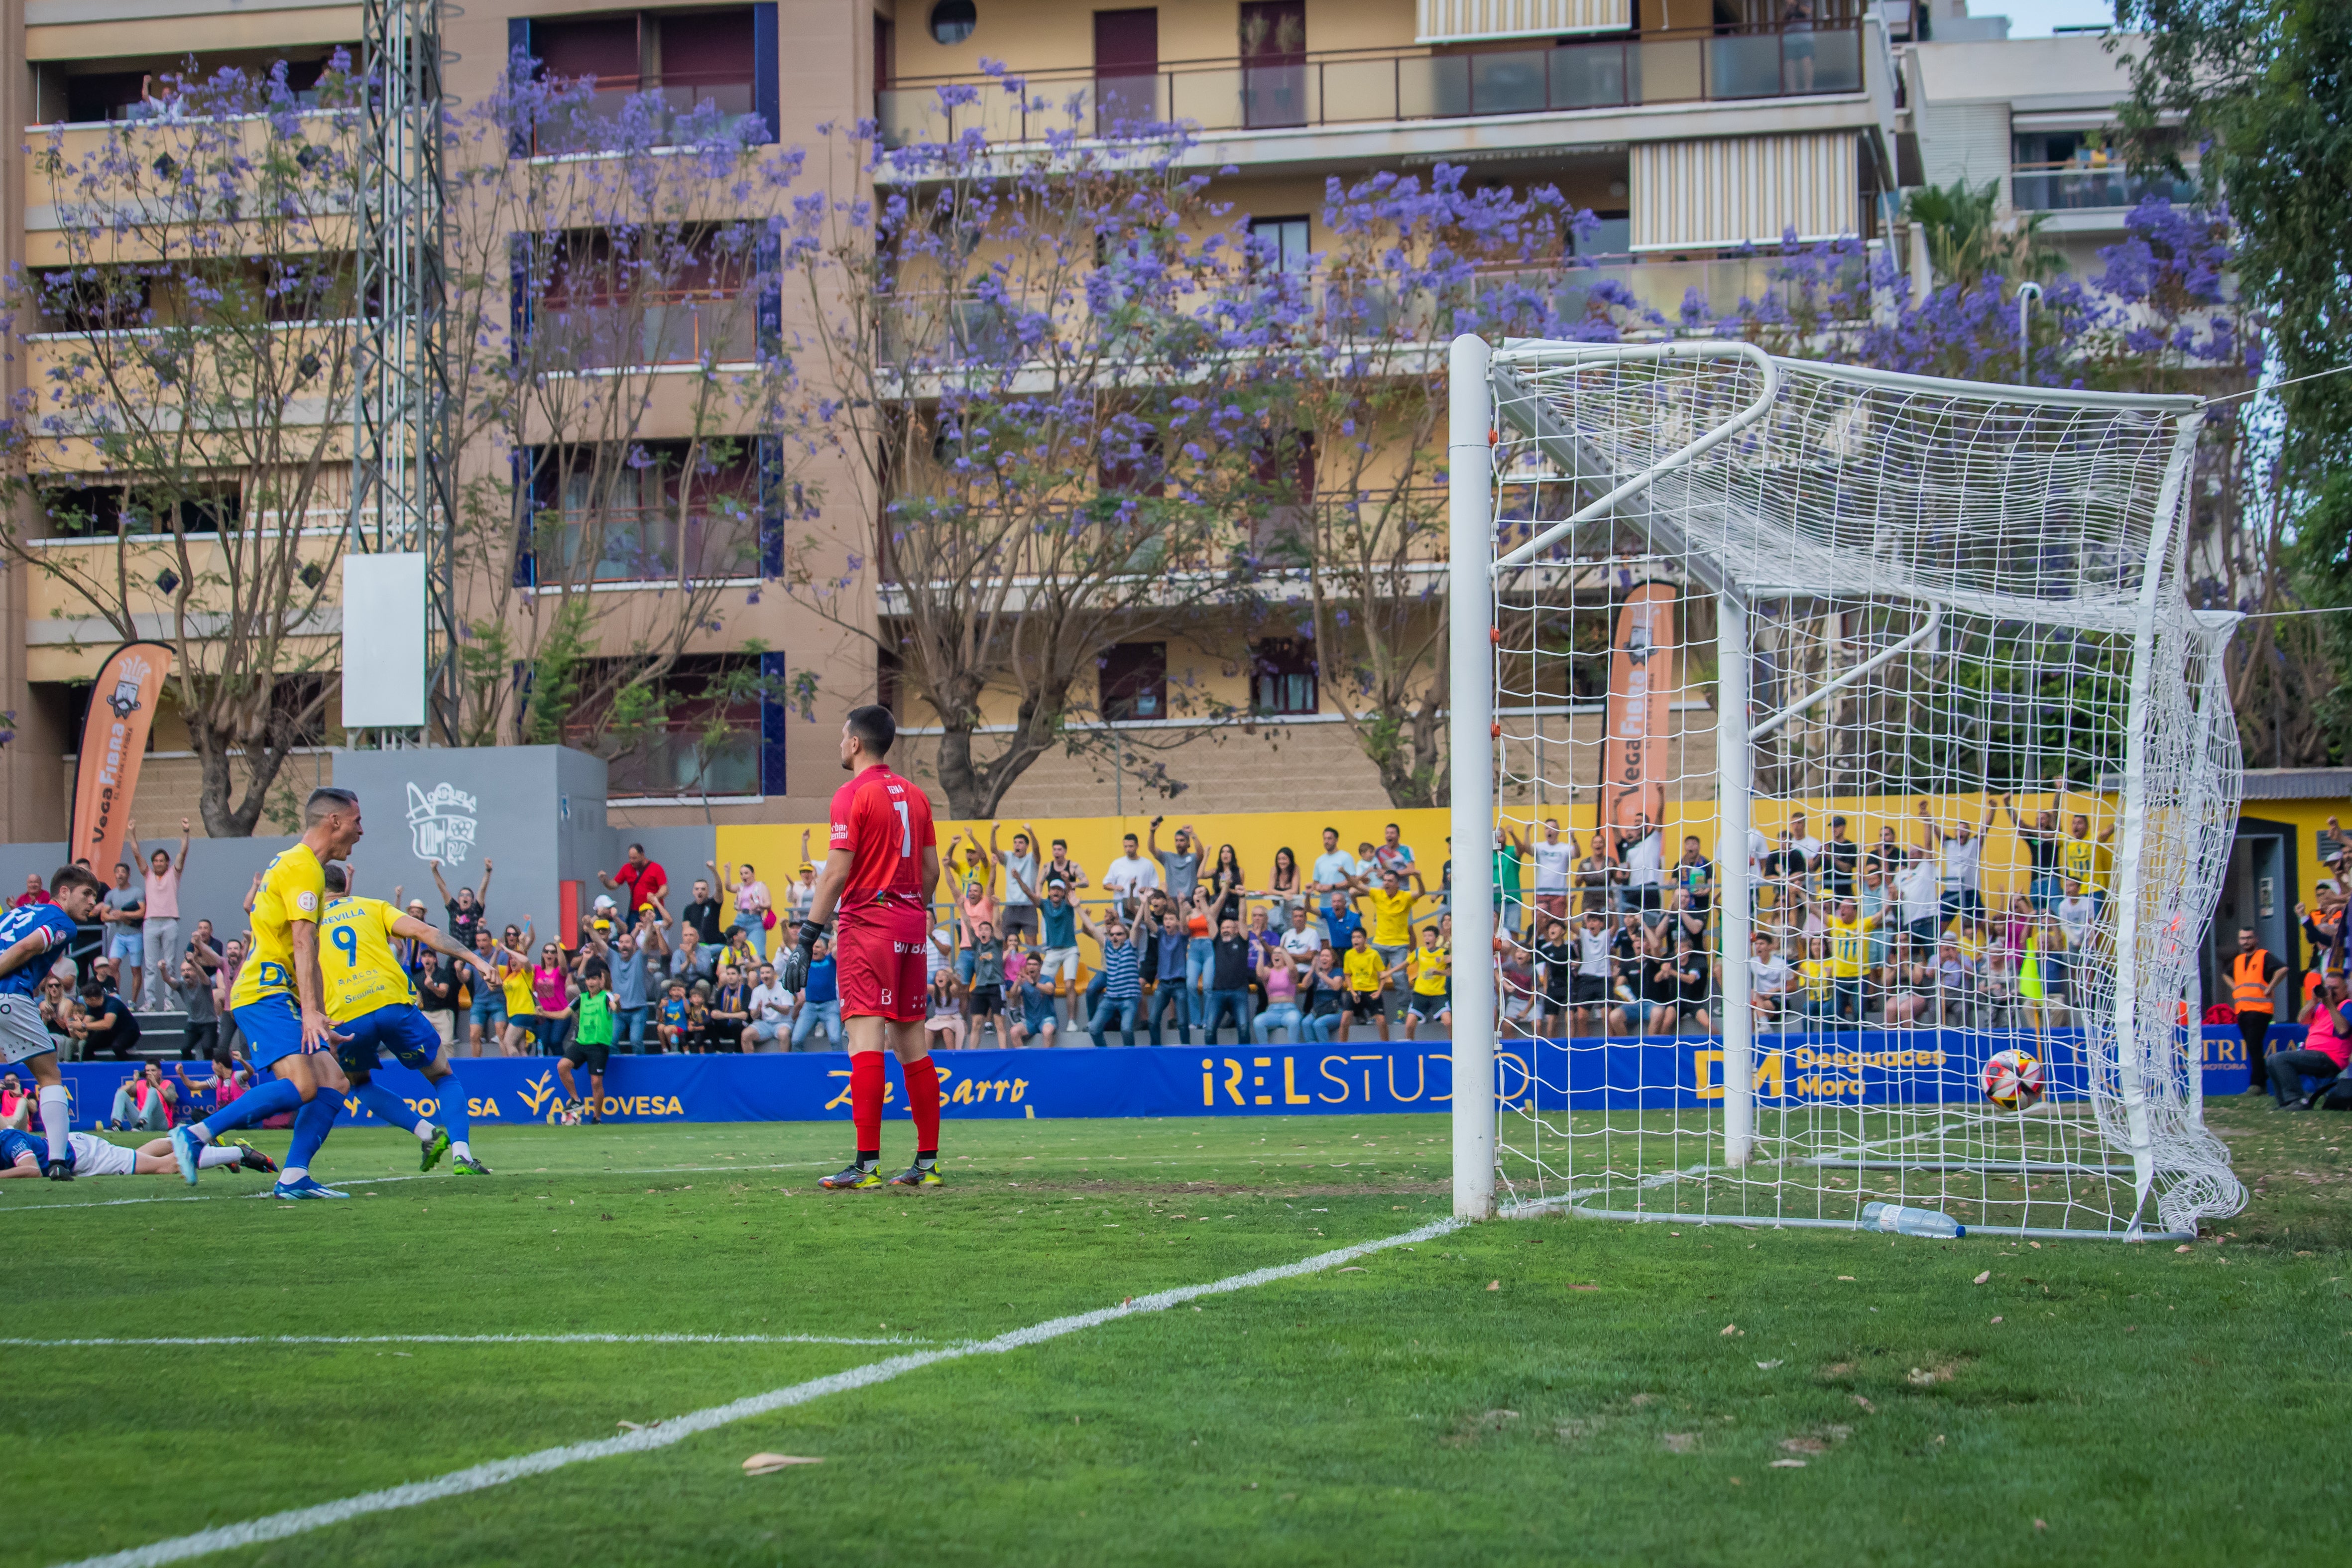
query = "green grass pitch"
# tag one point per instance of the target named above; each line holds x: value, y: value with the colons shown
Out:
x: 1543, y: 1392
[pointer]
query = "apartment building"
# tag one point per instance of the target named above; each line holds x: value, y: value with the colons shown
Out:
x: 1691, y: 128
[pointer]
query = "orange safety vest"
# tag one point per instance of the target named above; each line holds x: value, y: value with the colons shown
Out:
x: 2248, y: 992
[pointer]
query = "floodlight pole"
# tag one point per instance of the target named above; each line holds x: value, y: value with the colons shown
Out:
x: 1733, y: 742
x: 1470, y: 586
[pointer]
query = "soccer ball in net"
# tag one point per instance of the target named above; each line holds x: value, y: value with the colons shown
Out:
x: 2012, y: 1079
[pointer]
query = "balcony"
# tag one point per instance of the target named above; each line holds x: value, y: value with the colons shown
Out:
x: 649, y: 110
x: 2080, y: 187
x: 1353, y: 86
x: 641, y: 544
x: 688, y: 763
x: 662, y: 331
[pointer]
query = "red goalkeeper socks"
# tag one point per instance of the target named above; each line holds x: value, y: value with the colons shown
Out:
x: 865, y: 1101
x: 923, y: 1099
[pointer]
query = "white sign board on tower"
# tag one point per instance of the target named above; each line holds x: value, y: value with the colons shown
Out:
x: 384, y: 641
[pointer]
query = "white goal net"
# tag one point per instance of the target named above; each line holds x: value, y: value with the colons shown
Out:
x: 1859, y: 782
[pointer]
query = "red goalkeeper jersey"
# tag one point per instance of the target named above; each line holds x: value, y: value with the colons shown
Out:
x: 885, y: 823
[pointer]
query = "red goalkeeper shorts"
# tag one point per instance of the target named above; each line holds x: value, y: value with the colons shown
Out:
x: 880, y: 966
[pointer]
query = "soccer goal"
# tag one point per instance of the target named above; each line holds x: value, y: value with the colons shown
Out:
x: 1859, y: 782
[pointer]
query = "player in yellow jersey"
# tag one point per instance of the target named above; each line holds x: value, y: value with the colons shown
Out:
x: 1849, y: 935
x: 372, y: 1000
x: 280, y: 1007
x: 1433, y: 984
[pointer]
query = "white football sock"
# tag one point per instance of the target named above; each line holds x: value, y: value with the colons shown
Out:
x: 57, y: 1119
x: 291, y: 1175
x: 461, y: 1147
x: 424, y: 1130
x: 212, y: 1156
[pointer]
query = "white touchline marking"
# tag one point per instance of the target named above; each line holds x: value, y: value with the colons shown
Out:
x: 498, y: 1472
x: 481, y: 1340
x: 413, y: 1177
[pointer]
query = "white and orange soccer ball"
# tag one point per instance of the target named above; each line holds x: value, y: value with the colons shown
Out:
x: 2012, y: 1079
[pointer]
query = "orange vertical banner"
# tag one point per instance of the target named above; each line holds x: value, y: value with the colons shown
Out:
x: 114, y: 743
x: 1640, y: 700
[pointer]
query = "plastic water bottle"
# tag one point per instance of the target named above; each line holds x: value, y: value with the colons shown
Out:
x: 1912, y: 1221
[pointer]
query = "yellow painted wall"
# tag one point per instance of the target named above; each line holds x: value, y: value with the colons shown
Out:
x: 2309, y: 820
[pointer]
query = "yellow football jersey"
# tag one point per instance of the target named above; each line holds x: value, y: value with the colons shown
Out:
x: 293, y: 888
x: 356, y: 964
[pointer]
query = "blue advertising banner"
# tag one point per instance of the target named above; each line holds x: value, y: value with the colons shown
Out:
x: 1343, y: 1078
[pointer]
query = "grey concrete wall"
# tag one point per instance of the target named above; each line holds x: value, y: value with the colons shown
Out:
x: 220, y: 872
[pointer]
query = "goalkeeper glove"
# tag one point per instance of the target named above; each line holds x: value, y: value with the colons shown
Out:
x: 792, y: 970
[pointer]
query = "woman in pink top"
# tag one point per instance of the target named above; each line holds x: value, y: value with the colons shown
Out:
x: 1281, y: 982
x: 554, y: 998
x: 2325, y: 1050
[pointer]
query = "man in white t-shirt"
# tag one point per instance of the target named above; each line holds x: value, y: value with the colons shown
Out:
x: 1641, y: 854
x: 1130, y: 876
x: 1960, y: 847
x: 1589, y: 986
x: 1769, y: 980
x: 1917, y: 884
x: 1301, y: 941
x: 1803, y: 839
x: 771, y: 1012
x: 2075, y: 912
x: 1554, y: 856
x: 1335, y: 873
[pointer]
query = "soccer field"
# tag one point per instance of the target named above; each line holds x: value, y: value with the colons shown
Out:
x: 1516, y: 1392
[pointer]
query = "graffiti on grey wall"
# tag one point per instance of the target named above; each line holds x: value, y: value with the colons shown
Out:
x: 441, y: 823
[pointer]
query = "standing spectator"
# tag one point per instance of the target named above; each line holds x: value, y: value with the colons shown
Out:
x: 1554, y: 858
x: 487, y: 1013
x: 551, y: 998
x: 1335, y: 882
x: 1057, y: 919
x: 1393, y: 854
x: 1552, y: 960
x: 1182, y: 865
x: 1839, y: 857
x: 1285, y: 891
x: 673, y: 1018
x: 1640, y: 856
x: 2082, y: 856
x: 1164, y: 956
x: 467, y: 908
x: 1769, y: 983
x: 518, y: 992
x: 439, y: 995
x: 160, y: 928
x: 1391, y: 912
x: 1122, y: 970
x: 1367, y: 977
x: 33, y: 893
x: 1961, y: 849
x: 731, y: 1010
x: 1848, y: 933
x: 1229, y: 983
x: 821, y: 1001
x: 1061, y: 867
x: 1432, y: 968
x: 192, y: 989
x: 1918, y: 887
x: 591, y: 1046
x: 1693, y: 878
x: 771, y: 1012
x: 800, y: 894
x: 1808, y: 846
x: 105, y: 1023
x: 1228, y: 895
x: 2042, y: 846
x: 123, y: 911
x: 1018, y: 916
x: 1032, y: 1010
x: 700, y: 915
x: 986, y: 993
x: 644, y: 881
x: 2253, y: 992
x: 754, y: 907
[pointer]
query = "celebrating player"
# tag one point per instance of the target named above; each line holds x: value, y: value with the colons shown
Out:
x: 880, y: 874
x: 28, y: 933
x: 372, y: 1000
x: 279, y: 1007
x: 94, y: 1156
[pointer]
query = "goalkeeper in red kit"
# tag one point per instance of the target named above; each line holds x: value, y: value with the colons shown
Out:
x: 878, y: 880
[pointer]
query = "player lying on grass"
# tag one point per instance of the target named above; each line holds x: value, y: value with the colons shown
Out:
x: 20, y: 1155
x: 29, y: 935
x: 879, y: 875
x: 280, y: 1008
x: 371, y: 1001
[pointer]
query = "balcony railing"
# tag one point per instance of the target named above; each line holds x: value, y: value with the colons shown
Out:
x: 724, y: 330
x: 1360, y: 86
x: 644, y: 544
x: 2074, y: 187
x: 667, y: 101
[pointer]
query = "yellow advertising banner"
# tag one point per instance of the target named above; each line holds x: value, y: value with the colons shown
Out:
x: 114, y: 743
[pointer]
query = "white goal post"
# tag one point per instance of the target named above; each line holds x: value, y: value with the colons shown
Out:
x: 1705, y: 602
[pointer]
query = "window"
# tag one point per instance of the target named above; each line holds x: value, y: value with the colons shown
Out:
x: 656, y: 297
x: 103, y: 510
x: 953, y: 20
x: 1273, y: 63
x: 700, y: 63
x: 1282, y: 242
x: 1283, y: 675
x: 1134, y: 680
x: 85, y: 92
x: 629, y: 512
x: 699, y: 735
x: 1133, y: 467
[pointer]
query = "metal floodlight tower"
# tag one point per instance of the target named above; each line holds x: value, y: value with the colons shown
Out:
x: 402, y: 463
